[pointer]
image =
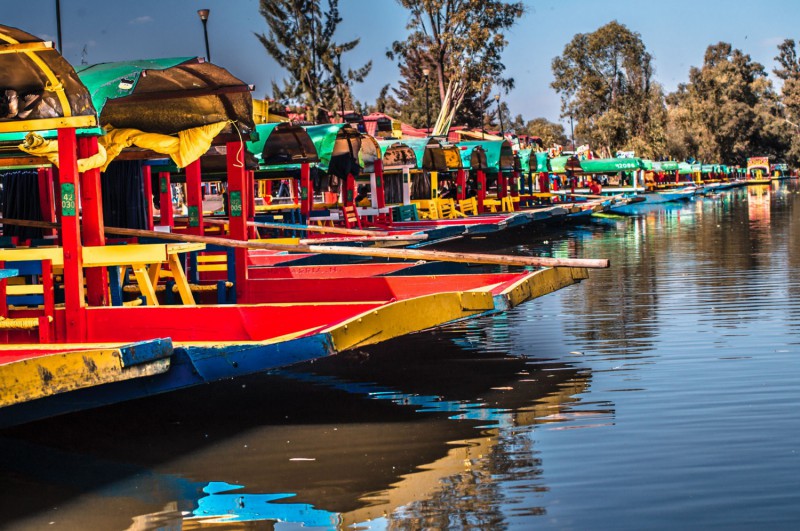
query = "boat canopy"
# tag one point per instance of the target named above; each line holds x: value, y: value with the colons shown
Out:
x: 333, y: 142
x: 370, y: 152
x: 758, y: 163
x: 614, y: 165
x: 39, y: 89
x: 435, y: 154
x: 168, y: 96
x: 665, y: 165
x: 282, y: 146
x: 473, y: 157
x: 397, y: 154
x: 647, y: 164
x: 565, y: 162
x: 499, y: 154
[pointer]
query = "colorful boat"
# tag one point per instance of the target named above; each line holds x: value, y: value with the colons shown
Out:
x: 758, y: 171
x: 82, y: 345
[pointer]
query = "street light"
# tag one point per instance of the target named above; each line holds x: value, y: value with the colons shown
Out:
x: 58, y: 25
x: 500, y: 114
x: 203, y: 13
x: 426, y: 72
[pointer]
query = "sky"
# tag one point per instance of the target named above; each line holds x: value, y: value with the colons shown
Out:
x: 675, y: 32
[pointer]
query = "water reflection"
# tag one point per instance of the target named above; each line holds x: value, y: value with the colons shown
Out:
x: 383, y: 434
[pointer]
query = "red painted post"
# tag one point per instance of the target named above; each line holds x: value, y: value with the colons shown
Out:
x: 350, y: 191
x: 238, y: 215
x: 461, y: 184
x: 677, y: 176
x: 379, y: 192
x: 69, y: 188
x: 92, y: 228
x: 251, y: 202
x: 194, y: 198
x: 165, y: 200
x: 501, y: 185
x: 46, y: 204
x: 306, y: 190
x: 268, y: 191
x: 148, y: 194
x: 481, y: 190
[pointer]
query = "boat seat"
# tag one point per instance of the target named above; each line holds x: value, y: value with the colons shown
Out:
x: 350, y: 217
x: 405, y: 213
x: 468, y: 207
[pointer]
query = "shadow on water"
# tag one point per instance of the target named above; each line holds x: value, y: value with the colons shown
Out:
x: 332, y: 443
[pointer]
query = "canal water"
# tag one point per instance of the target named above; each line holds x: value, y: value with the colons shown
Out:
x: 661, y: 393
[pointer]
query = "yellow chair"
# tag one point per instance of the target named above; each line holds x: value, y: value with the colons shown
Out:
x: 468, y: 207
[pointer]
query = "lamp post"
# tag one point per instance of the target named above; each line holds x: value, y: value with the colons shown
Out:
x: 338, y: 52
x: 203, y: 13
x: 572, y: 132
x: 426, y: 72
x: 58, y: 25
x: 500, y: 114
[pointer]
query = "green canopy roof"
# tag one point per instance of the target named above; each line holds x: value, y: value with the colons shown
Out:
x: 684, y: 168
x: 611, y: 165
x: 647, y: 164
x: 665, y: 165
x: 525, y: 160
x: 559, y: 164
x: 282, y: 146
x: 433, y: 154
x: 708, y: 168
x: 334, y: 139
x: 499, y: 154
x: 473, y: 157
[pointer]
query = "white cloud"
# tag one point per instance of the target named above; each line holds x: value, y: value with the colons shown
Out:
x: 142, y: 20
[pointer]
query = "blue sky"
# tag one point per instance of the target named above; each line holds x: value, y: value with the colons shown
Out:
x: 676, y: 33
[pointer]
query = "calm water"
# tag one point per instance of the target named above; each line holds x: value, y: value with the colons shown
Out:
x: 660, y: 394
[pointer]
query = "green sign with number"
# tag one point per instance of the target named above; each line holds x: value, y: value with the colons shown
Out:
x: 67, y: 199
x: 194, y: 216
x: 236, y: 203
x: 163, y: 185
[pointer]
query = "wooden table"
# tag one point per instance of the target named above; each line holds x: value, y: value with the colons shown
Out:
x: 145, y: 260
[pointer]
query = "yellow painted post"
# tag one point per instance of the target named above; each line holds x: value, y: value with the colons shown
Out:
x: 434, y: 184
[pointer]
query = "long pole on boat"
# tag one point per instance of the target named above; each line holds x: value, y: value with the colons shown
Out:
x: 399, y: 254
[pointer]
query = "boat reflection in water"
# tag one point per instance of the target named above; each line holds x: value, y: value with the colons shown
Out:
x: 413, y: 433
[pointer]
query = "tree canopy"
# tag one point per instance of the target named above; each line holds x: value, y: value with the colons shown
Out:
x: 461, y: 41
x: 789, y: 73
x: 728, y: 111
x: 605, y: 79
x: 301, y: 40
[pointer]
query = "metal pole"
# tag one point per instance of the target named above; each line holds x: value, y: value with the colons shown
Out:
x: 571, y: 132
x: 339, y: 70
x: 58, y: 26
x: 500, y: 115
x: 426, y: 72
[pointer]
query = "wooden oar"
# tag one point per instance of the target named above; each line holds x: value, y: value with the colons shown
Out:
x: 295, y: 226
x: 400, y: 254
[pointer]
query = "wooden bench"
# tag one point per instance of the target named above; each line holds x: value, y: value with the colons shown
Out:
x: 144, y: 259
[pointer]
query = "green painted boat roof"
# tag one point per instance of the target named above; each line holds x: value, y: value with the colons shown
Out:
x: 611, y: 165
x: 282, y: 146
x: 499, y: 154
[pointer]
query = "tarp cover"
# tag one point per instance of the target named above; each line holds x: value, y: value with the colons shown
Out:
x: 37, y: 84
x: 499, y: 154
x: 167, y: 95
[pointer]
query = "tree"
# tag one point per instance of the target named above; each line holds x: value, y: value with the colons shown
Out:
x: 728, y: 111
x: 300, y: 39
x: 789, y: 73
x: 550, y: 133
x: 605, y: 80
x: 461, y: 41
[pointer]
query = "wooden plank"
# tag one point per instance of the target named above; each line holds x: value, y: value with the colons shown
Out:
x: 180, y: 280
x: 143, y: 279
x: 112, y: 255
x: 54, y: 254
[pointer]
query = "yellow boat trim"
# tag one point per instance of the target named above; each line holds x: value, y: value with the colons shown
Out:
x: 44, y: 124
x: 42, y: 376
x: 542, y: 282
x: 407, y: 316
